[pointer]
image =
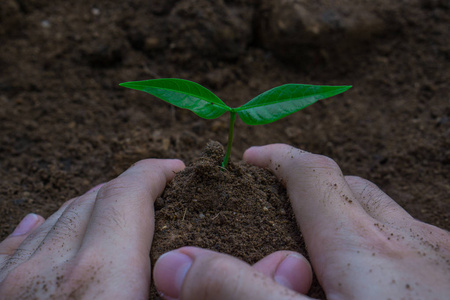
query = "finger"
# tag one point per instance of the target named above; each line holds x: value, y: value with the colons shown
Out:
x: 375, y: 202
x: 194, y: 273
x: 13, y: 241
x: 322, y: 201
x: 287, y: 268
x: 10, y: 251
x: 51, y: 228
x: 53, y: 225
x: 63, y: 235
x: 33, y: 240
x: 123, y: 216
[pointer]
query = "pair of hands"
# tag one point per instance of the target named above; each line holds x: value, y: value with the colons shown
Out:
x: 362, y: 245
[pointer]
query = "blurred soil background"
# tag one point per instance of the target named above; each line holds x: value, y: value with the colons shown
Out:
x: 66, y: 125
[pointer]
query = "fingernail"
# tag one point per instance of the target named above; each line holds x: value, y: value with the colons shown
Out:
x: 171, y: 269
x: 287, y: 271
x: 26, y: 225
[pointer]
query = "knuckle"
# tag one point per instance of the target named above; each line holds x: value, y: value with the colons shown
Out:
x: 356, y: 180
x: 285, y: 148
x: 317, y: 163
x: 145, y: 165
x: 142, y: 163
x: 378, y: 242
x: 361, y: 186
x: 322, y: 162
x: 114, y: 187
x: 112, y: 219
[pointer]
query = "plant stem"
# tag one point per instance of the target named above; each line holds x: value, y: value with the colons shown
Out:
x: 230, y: 139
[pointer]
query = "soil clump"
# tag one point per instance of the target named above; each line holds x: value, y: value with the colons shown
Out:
x: 243, y: 211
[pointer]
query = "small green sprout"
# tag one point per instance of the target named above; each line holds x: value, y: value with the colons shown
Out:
x: 268, y: 107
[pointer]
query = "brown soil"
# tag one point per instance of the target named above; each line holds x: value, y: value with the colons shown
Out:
x: 243, y: 211
x: 66, y: 125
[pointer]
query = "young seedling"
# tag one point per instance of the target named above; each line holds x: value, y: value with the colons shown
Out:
x: 268, y: 107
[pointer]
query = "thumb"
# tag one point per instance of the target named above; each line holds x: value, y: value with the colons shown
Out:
x: 195, y: 273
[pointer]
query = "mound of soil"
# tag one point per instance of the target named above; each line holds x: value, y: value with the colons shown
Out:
x: 243, y: 211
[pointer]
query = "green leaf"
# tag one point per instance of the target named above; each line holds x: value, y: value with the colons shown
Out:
x: 184, y: 94
x: 284, y: 100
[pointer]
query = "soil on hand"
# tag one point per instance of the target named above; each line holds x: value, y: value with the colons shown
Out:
x: 66, y: 125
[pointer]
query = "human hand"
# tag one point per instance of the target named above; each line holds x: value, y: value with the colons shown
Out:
x: 362, y: 244
x: 95, y: 246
